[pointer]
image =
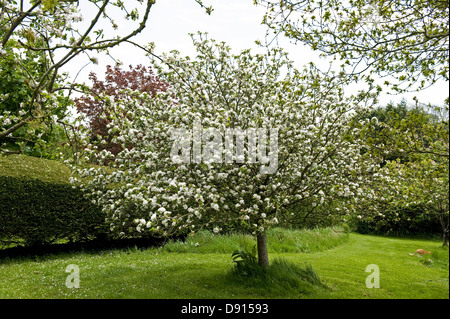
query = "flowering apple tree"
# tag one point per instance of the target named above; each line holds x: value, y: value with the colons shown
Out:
x: 234, y: 141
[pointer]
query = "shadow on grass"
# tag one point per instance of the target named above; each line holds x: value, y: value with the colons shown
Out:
x: 94, y: 246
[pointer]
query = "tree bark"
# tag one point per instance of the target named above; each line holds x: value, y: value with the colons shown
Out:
x: 444, y: 225
x: 263, y: 256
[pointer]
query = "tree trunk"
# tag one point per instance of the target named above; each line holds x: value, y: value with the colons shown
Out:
x: 263, y: 256
x: 444, y: 225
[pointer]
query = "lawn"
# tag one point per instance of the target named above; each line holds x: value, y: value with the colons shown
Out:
x: 201, y: 268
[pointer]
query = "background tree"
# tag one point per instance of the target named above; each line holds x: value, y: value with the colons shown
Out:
x: 413, y: 186
x: 404, y: 130
x: 318, y: 150
x: 405, y: 39
x: 408, y: 198
x: 15, y: 91
x: 426, y: 183
x: 116, y: 85
x: 37, y: 39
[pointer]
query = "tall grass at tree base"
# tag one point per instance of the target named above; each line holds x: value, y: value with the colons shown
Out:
x: 279, y: 240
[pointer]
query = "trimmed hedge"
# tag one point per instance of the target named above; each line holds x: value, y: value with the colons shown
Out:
x: 38, y: 211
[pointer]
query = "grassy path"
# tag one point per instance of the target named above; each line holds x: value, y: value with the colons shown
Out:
x: 401, y: 276
x: 154, y: 273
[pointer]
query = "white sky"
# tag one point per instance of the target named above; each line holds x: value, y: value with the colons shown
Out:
x: 237, y: 22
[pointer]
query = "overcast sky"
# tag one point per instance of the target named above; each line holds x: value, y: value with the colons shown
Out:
x: 237, y: 22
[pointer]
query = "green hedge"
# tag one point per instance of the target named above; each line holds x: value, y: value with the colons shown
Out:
x: 33, y: 211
